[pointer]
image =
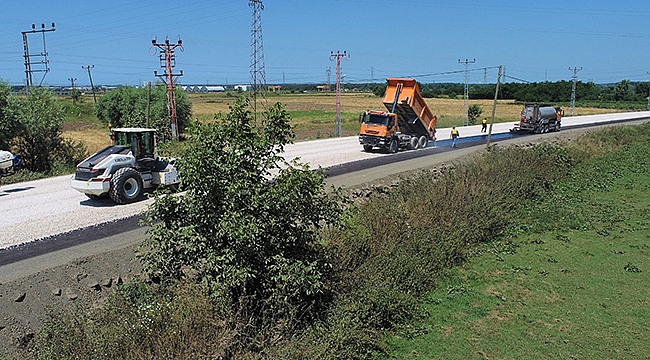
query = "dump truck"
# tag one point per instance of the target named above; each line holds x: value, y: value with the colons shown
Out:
x: 126, y: 168
x: 539, y: 118
x: 408, y: 123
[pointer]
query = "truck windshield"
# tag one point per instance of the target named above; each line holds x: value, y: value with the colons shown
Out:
x: 375, y: 119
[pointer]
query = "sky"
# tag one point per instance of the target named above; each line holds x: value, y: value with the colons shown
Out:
x: 429, y: 40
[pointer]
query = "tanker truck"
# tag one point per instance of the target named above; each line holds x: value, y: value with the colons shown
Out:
x: 539, y: 119
x: 408, y: 123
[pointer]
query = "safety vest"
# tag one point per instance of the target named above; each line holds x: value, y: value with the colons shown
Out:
x: 484, y: 121
x: 454, y: 132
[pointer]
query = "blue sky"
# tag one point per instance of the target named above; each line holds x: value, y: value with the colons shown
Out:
x: 534, y: 40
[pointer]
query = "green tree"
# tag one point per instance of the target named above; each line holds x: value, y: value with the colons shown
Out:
x: 246, y: 227
x: 38, y: 118
x: 622, y: 90
x: 8, y: 124
x: 473, y: 113
x: 126, y: 106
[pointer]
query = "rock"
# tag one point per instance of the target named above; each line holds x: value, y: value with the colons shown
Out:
x: 118, y: 281
x: 81, y: 276
x: 56, y: 292
x: 71, y: 295
x: 20, y: 297
x: 107, y: 282
x: 94, y: 285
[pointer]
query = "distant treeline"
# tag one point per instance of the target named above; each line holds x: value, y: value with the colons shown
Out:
x: 625, y: 91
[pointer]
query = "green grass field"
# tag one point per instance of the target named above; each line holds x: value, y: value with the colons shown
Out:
x: 572, y: 281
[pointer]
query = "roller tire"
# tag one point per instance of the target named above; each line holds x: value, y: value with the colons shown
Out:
x: 367, y: 148
x: 126, y: 186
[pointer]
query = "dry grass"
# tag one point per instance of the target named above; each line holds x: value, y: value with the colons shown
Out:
x: 313, y: 115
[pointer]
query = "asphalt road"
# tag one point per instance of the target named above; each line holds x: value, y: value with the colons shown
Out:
x: 39, y: 216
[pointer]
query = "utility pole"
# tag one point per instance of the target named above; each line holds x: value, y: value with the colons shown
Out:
x: 257, y: 71
x: 337, y: 57
x: 494, y: 107
x: 466, y: 94
x: 648, y: 72
x: 573, y: 87
x: 92, y: 87
x: 28, y: 57
x: 74, y: 101
x: 167, y: 62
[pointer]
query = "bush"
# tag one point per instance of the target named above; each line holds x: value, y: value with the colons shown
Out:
x: 127, y: 107
x: 250, y: 240
x: 473, y: 113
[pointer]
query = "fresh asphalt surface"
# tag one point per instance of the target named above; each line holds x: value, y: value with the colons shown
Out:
x: 337, y: 173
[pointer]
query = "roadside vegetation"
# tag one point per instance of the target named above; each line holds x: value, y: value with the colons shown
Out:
x: 285, y: 269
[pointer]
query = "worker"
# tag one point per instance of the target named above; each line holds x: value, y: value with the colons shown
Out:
x: 484, y: 125
x: 453, y: 136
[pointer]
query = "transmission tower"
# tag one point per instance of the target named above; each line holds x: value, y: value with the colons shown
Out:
x: 329, y: 74
x: 337, y: 57
x: 92, y: 87
x: 573, y: 87
x: 466, y: 93
x: 72, y: 80
x: 258, y: 74
x: 28, y: 57
x: 167, y: 62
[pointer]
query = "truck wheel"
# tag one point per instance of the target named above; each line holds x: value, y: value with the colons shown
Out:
x: 413, y: 143
x: 393, y: 146
x: 545, y: 129
x: 423, y: 142
x: 557, y: 126
x: 126, y: 186
x: 367, y: 148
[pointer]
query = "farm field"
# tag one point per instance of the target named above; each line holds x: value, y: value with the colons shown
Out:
x: 312, y: 115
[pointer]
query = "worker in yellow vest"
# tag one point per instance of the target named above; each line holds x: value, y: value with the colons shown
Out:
x: 484, y: 125
x: 453, y: 136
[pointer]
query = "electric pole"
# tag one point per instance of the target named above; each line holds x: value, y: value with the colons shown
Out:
x: 167, y: 62
x: 466, y: 94
x: 74, y: 100
x: 92, y: 87
x: 494, y: 107
x: 337, y: 57
x: 28, y: 57
x: 573, y: 87
x: 648, y: 72
x: 257, y: 71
